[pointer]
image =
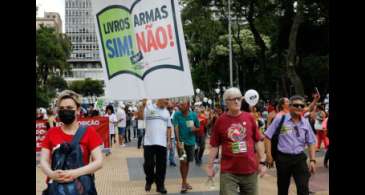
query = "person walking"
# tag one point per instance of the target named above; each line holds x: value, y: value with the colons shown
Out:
x: 201, y: 136
x: 318, y: 125
x: 238, y: 135
x: 186, y: 124
x: 156, y: 141
x: 294, y: 133
x: 122, y: 124
x: 140, y: 125
x: 68, y: 107
x: 112, y: 121
x: 171, y: 151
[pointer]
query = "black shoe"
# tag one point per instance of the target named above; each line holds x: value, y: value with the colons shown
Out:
x: 147, y: 187
x: 162, y: 190
x: 325, y: 163
x: 173, y: 164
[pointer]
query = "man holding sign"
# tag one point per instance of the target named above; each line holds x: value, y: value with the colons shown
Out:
x: 157, y: 138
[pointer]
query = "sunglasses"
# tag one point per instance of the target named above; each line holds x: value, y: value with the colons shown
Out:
x: 297, y: 131
x: 237, y: 99
x: 298, y: 105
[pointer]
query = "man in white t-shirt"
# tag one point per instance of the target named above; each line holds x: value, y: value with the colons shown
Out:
x: 122, y: 118
x: 156, y: 139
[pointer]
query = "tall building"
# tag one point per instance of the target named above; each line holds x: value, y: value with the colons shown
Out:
x: 50, y: 19
x: 80, y: 28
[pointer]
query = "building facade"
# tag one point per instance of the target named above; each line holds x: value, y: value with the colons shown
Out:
x: 80, y: 28
x: 50, y: 19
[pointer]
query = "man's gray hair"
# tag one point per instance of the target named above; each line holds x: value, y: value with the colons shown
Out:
x: 296, y: 97
x: 233, y: 91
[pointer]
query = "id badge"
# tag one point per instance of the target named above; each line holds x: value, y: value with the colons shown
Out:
x: 239, y: 147
x: 190, y: 123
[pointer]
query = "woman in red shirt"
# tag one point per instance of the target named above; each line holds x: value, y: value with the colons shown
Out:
x: 68, y: 104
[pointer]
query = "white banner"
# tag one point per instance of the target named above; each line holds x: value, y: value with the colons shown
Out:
x: 142, y: 49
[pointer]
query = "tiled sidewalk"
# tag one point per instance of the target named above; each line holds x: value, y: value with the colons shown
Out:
x: 114, y: 178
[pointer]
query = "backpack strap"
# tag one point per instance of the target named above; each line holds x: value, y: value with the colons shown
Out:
x: 79, y: 134
x: 277, y: 131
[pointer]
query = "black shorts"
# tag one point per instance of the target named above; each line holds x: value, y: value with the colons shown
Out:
x: 189, y: 149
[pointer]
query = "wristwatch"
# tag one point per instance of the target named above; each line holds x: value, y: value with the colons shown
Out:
x: 312, y: 160
x: 263, y: 163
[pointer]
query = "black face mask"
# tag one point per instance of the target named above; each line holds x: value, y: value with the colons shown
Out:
x: 66, y: 116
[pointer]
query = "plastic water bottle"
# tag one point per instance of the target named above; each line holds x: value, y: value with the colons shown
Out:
x: 182, y: 153
x: 211, y: 183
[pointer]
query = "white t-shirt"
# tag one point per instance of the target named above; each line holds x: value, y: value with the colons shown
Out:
x: 112, y: 120
x: 172, y: 126
x: 141, y: 124
x: 121, y: 115
x: 157, y: 121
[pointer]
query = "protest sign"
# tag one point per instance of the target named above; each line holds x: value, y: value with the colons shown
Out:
x: 142, y: 49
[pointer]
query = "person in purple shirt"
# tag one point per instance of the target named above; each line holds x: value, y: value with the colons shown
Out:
x: 295, y: 134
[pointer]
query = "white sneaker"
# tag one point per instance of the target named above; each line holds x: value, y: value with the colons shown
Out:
x: 123, y: 145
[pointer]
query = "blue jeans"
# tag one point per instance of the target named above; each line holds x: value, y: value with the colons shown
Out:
x: 172, y: 151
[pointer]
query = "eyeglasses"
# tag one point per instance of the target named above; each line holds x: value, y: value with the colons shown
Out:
x: 297, y: 131
x: 237, y: 99
x: 298, y: 105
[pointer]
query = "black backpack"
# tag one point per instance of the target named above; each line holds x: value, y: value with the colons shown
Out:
x: 69, y: 156
x: 275, y: 139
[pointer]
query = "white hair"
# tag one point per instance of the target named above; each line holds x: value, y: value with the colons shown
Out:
x: 233, y: 91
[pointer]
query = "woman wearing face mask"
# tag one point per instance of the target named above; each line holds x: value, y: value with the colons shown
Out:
x: 68, y: 106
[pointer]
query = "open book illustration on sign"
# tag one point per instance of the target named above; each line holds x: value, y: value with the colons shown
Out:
x: 137, y: 40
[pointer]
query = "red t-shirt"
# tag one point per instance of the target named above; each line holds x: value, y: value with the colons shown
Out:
x: 203, y: 122
x: 229, y: 131
x: 88, y: 142
x: 270, y: 108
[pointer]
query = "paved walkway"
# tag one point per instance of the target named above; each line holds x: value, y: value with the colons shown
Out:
x: 122, y: 174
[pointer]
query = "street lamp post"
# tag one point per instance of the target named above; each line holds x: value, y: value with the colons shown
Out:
x: 210, y: 103
x: 197, y: 90
x: 205, y: 101
x: 230, y: 45
x: 217, y: 91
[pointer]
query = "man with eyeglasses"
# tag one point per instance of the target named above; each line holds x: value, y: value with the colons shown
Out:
x: 240, y: 138
x: 295, y: 133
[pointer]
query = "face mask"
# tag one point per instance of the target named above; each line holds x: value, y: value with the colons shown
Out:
x: 66, y: 116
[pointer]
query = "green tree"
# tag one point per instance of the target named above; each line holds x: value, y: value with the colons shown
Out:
x: 281, y: 49
x: 42, y: 97
x: 52, y: 51
x: 201, y: 32
x: 57, y: 82
x: 77, y: 86
x: 88, y: 87
x: 93, y: 87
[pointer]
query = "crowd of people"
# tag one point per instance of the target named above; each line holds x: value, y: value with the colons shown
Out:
x: 168, y: 130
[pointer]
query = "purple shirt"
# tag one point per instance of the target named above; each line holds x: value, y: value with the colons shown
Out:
x: 289, y: 143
